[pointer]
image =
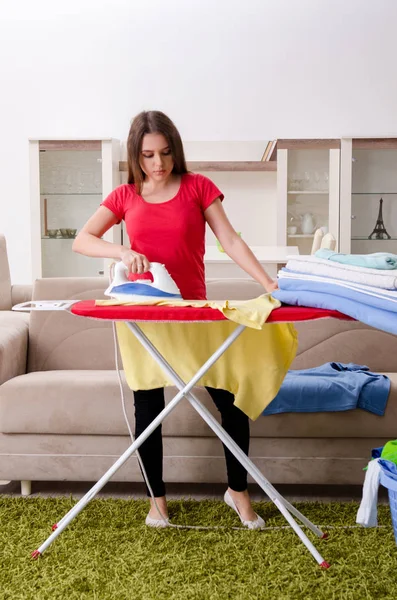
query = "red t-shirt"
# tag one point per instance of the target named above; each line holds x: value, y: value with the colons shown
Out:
x: 172, y: 232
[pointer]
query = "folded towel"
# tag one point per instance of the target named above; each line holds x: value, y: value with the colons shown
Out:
x: 317, y: 266
x: 308, y: 258
x: 377, y: 260
x: 338, y: 288
x: 378, y: 318
x: 365, y: 289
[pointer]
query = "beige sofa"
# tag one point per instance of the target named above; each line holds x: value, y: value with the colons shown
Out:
x: 10, y: 294
x: 61, y: 415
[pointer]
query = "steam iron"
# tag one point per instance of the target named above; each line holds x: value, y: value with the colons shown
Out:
x: 162, y: 286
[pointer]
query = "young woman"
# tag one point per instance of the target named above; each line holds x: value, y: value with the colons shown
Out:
x: 165, y: 209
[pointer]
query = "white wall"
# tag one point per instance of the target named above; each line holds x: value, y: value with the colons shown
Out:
x: 222, y: 69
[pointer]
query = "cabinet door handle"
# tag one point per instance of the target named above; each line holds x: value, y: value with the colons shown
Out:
x: 353, y: 216
x: 101, y: 272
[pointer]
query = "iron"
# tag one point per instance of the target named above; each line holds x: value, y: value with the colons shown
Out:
x: 162, y: 286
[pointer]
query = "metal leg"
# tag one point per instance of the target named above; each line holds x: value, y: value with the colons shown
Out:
x: 26, y: 487
x: 283, y: 505
x: 64, y: 522
x: 266, y: 486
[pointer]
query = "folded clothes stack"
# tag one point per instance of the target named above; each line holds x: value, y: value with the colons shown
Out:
x: 363, y: 286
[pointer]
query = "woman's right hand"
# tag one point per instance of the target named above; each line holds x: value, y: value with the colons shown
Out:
x: 136, y: 263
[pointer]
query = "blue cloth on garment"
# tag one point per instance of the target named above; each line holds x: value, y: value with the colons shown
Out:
x: 331, y: 387
x: 385, y: 320
x: 376, y: 260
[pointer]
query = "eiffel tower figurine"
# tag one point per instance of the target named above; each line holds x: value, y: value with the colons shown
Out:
x: 379, y: 232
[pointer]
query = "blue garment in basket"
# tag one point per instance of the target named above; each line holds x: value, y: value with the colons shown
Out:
x: 331, y: 387
x: 388, y: 478
x: 389, y: 468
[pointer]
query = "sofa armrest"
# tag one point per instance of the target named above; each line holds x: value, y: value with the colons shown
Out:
x: 14, y: 333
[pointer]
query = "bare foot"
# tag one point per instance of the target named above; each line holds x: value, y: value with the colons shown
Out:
x: 243, y: 503
x: 162, y: 504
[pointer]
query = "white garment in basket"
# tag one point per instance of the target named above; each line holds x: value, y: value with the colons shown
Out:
x: 367, y: 514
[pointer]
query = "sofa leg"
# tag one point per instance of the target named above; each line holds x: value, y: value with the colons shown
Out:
x: 26, y: 488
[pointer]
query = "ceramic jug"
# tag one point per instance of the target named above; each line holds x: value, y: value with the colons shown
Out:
x: 308, y: 223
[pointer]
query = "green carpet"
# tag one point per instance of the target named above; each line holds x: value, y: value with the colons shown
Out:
x: 108, y: 553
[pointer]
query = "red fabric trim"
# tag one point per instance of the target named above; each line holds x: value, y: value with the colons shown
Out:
x: 189, y: 314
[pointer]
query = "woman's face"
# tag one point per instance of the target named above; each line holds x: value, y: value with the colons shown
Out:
x: 156, y: 160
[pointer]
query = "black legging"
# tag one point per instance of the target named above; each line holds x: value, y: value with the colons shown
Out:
x: 149, y: 403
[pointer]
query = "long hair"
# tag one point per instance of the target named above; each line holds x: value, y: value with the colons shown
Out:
x: 152, y: 121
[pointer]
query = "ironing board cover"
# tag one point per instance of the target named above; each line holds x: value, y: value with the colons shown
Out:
x: 189, y: 314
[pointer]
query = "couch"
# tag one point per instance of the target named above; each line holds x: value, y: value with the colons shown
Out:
x: 10, y: 294
x: 61, y: 416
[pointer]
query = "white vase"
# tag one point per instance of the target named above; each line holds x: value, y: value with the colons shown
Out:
x: 308, y: 223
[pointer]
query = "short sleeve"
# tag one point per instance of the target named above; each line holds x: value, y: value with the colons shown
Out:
x: 207, y: 191
x: 116, y: 202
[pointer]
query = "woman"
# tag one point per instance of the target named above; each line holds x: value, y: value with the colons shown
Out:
x: 166, y: 209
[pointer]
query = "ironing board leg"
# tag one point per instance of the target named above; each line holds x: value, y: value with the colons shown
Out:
x: 282, y: 504
x: 266, y: 486
x: 247, y: 463
x: 78, y: 507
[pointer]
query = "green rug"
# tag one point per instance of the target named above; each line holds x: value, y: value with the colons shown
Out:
x: 108, y: 553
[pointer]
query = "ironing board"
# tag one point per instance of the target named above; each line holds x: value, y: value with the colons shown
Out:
x: 132, y: 315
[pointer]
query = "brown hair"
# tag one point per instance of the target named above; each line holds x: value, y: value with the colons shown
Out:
x: 152, y: 121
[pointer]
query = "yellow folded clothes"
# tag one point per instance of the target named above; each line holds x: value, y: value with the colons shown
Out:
x: 252, y: 368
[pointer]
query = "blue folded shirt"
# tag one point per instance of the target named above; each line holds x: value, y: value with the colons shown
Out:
x: 331, y: 387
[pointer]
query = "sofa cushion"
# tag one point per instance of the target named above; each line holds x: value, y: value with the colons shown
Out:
x: 88, y: 402
x: 58, y: 339
x: 76, y: 402
x: 5, y: 279
x: 197, y: 460
x: 328, y: 340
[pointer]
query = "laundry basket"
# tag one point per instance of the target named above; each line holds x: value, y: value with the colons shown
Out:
x: 391, y: 485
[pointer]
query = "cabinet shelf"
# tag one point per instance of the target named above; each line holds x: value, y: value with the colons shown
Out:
x: 301, y: 235
x: 308, y: 192
x: 365, y: 238
x: 95, y: 194
x: 374, y: 193
x: 256, y: 165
